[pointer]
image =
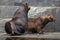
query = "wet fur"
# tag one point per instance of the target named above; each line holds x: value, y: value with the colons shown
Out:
x: 36, y: 25
x: 17, y: 25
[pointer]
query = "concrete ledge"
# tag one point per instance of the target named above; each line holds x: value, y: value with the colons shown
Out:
x: 54, y: 35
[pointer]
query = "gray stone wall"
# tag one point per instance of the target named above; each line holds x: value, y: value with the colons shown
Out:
x: 32, y: 2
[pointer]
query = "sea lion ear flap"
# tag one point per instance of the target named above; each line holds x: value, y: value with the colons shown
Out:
x: 25, y: 5
x: 29, y: 9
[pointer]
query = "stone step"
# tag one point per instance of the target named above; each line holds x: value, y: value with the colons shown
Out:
x: 54, y: 35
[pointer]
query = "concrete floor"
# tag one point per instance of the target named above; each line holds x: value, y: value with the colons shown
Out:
x: 54, y: 35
